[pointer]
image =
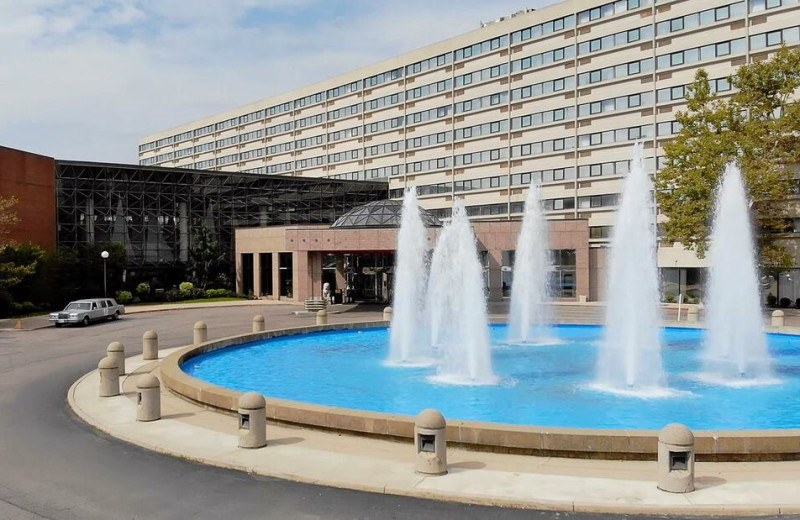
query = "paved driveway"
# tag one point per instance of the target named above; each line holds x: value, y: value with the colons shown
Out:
x: 54, y: 466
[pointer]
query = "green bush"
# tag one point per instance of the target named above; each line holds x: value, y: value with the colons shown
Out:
x: 669, y: 298
x: 23, y: 308
x: 186, y: 289
x: 143, y: 290
x: 124, y: 297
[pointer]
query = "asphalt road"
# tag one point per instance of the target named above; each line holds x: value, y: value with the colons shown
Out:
x: 54, y: 466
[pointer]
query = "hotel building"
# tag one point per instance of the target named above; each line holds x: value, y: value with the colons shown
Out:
x: 555, y: 96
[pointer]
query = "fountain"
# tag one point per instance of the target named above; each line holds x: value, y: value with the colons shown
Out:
x: 736, y: 347
x: 630, y: 355
x: 530, y: 313
x: 456, y: 306
x: 409, y: 345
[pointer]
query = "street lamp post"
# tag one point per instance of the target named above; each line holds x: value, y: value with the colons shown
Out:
x: 104, y: 255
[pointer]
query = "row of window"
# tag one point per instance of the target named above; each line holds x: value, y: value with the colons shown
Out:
x: 481, y: 102
x: 616, y: 72
x: 481, y: 75
x: 470, y: 132
x: 615, y: 104
x: 687, y: 22
x: 706, y: 52
x: 380, y: 149
x: 429, y: 89
x: 344, y: 112
x: 615, y: 40
x: 481, y: 157
x: 543, y: 176
x: 543, y: 89
x: 428, y: 140
x: 789, y: 35
x: 610, y: 9
x: 482, y: 47
x: 498, y: 181
x: 542, y: 147
x: 543, y: 118
x: 615, y: 136
x: 699, y: 19
x: 544, y: 58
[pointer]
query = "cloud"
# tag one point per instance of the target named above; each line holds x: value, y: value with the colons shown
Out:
x: 86, y: 79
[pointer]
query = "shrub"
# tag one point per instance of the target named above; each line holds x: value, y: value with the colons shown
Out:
x: 143, y: 290
x: 124, y: 297
x: 23, y: 308
x: 772, y: 300
x: 186, y: 289
x: 797, y: 303
x: 217, y: 293
x: 172, y: 295
x: 669, y: 298
x: 785, y: 302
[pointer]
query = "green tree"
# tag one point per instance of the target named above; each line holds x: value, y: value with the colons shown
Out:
x: 8, y: 218
x: 206, y: 259
x: 758, y: 127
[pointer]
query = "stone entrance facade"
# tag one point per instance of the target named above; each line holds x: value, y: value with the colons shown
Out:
x: 286, y: 262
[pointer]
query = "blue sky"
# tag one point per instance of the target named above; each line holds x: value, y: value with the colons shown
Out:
x: 85, y: 79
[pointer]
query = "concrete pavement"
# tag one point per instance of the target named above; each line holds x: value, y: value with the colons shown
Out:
x: 52, y: 465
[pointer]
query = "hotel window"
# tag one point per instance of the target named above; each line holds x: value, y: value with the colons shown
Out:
x: 610, y: 9
x: 430, y: 63
x: 543, y: 118
x: 249, y: 136
x: 482, y: 47
x: 355, y: 86
x: 482, y: 75
x: 434, y: 189
x: 543, y: 29
x: 183, y: 137
x: 615, y: 40
x: 616, y: 72
x: 669, y: 128
x: 761, y: 5
x: 600, y: 232
x: 761, y: 41
x: 703, y: 53
x: 184, y: 152
x: 706, y: 17
x: 562, y: 278
x: 227, y: 124
x: 228, y: 141
x: 205, y: 147
x: 252, y: 116
x: 615, y: 104
x: 379, y: 79
x: 310, y: 100
x: 598, y: 201
x: 486, y: 210
x: 559, y: 204
x: 545, y: 58
x: 343, y: 112
x: 540, y: 89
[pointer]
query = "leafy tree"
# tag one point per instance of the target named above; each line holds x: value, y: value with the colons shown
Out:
x: 206, y: 259
x: 758, y: 126
x: 8, y: 218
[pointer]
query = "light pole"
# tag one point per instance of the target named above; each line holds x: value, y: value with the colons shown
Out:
x: 104, y: 255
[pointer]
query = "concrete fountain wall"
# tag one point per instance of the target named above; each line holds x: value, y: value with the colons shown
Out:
x: 737, y: 445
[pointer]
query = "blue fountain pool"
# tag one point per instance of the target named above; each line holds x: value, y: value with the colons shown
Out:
x: 540, y: 385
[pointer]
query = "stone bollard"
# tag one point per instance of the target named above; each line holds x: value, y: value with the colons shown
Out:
x: 387, y: 314
x: 676, y: 459
x: 692, y: 314
x: 322, y: 317
x: 148, y: 400
x: 200, y: 333
x: 258, y: 323
x: 252, y: 421
x: 150, y: 345
x: 116, y: 351
x: 430, y: 443
x: 778, y: 318
x: 109, y: 377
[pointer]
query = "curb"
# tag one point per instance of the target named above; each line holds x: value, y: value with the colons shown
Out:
x: 688, y: 509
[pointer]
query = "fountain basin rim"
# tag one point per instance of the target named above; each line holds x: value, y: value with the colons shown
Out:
x: 614, y: 444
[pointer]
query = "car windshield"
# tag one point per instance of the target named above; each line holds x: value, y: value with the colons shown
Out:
x: 78, y: 307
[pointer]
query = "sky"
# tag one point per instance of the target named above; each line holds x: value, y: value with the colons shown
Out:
x: 86, y: 79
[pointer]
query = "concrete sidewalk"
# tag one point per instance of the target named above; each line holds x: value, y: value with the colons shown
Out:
x: 381, y: 466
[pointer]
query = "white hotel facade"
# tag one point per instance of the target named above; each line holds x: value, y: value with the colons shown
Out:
x: 554, y: 96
